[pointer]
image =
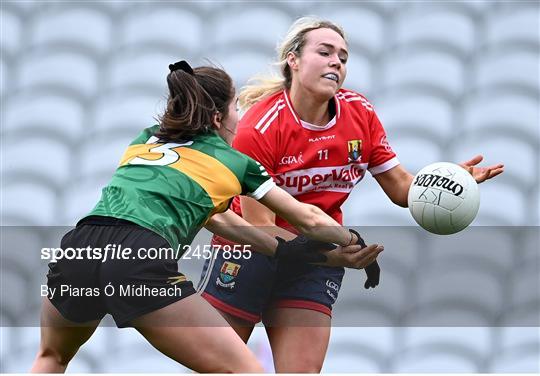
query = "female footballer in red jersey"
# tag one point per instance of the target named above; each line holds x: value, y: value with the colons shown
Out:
x: 172, y: 179
x: 317, y: 141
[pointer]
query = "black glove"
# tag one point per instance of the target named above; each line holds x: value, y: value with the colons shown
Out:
x: 373, y: 271
x: 302, y: 249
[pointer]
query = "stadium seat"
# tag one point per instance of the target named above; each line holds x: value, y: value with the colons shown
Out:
x: 419, y: 70
x: 12, y: 31
x: 21, y: 245
x: 255, y: 25
x: 353, y: 358
x: 404, y: 247
x: 29, y: 199
x: 519, y: 359
x: 406, y: 146
x: 243, y: 65
x: 162, y: 26
x: 477, y: 339
x: 112, y: 146
x: 513, y: 111
x: 22, y: 8
x: 507, y: 71
x: 40, y: 158
x: 525, y: 288
x: 438, y: 28
x: 514, y: 25
x: 375, y: 343
x: 134, y: 71
x: 70, y: 26
x: 418, y: 114
x: 501, y: 204
x: 515, y: 337
x: 437, y: 357
x: 369, y: 206
x: 44, y: 113
x: 99, y: 345
x: 494, y: 146
x: 259, y: 344
x: 129, y: 112
x: 494, y: 246
x: 454, y: 291
x: 528, y: 237
x: 383, y: 306
x: 65, y: 70
x: 473, y: 9
x: 370, y: 42
x: 5, y: 77
x: 21, y: 359
x: 80, y: 197
x: 359, y: 74
x: 133, y: 354
x: 16, y: 287
x: 6, y: 339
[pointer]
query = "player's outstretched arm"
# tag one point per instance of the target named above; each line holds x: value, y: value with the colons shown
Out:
x: 308, y: 219
x: 397, y: 181
x: 233, y: 227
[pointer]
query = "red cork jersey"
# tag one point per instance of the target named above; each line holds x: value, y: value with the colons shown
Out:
x: 319, y: 165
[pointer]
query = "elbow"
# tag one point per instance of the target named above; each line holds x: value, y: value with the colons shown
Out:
x: 403, y: 202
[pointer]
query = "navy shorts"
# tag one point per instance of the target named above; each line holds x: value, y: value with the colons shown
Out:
x: 132, y: 278
x: 246, y: 287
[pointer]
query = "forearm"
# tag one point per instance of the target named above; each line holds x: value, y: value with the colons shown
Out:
x: 402, y: 192
x: 396, y: 183
x: 234, y: 228
x: 308, y: 219
x: 324, y: 228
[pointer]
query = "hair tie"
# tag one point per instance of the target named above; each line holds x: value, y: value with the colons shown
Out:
x: 182, y: 65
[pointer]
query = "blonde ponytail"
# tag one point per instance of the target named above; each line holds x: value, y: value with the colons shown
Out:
x: 258, y: 88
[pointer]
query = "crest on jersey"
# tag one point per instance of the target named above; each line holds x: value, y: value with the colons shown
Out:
x: 227, y: 274
x: 355, y: 150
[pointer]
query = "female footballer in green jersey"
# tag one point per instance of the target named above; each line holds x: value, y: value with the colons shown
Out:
x: 174, y: 179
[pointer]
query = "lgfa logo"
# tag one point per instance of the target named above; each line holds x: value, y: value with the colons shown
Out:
x: 291, y: 159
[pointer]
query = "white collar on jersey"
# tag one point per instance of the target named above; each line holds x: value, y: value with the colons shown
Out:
x: 313, y: 127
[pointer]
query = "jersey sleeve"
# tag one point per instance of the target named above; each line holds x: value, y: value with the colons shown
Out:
x: 255, y: 144
x: 256, y: 181
x: 382, y: 156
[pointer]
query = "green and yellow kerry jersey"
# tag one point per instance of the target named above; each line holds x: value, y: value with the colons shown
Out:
x: 174, y: 188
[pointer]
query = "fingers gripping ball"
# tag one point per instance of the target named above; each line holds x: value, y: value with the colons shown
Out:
x: 443, y: 198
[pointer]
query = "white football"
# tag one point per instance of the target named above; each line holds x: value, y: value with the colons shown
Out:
x: 443, y: 198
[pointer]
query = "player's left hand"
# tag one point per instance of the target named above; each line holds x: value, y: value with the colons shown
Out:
x: 373, y: 270
x: 481, y: 174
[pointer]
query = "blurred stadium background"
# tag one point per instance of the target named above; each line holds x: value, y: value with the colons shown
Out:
x: 78, y: 80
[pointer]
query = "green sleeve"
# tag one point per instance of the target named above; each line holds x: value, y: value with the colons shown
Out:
x: 256, y: 182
